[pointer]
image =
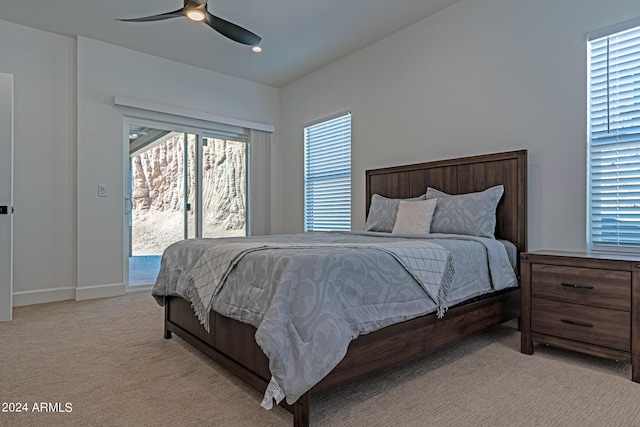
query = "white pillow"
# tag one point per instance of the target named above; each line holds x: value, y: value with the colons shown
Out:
x: 414, y: 217
x: 383, y: 211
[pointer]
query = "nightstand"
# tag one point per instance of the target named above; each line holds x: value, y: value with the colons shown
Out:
x: 586, y: 302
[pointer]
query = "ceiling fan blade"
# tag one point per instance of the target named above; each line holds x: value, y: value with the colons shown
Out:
x: 232, y: 31
x: 175, y: 14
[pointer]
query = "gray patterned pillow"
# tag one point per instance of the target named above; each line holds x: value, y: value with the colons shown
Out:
x: 470, y: 214
x: 383, y: 212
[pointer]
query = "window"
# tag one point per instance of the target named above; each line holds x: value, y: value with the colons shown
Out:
x: 613, y: 218
x: 327, y: 174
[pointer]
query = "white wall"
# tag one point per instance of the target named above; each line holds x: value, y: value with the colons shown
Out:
x: 68, y: 243
x: 480, y: 76
x: 43, y: 66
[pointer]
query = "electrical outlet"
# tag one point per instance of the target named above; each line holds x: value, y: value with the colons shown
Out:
x: 102, y: 190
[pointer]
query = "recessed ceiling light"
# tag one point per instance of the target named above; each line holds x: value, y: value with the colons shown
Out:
x: 195, y: 15
x: 256, y: 49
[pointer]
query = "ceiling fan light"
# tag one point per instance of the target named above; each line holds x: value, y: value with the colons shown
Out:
x: 256, y: 49
x: 195, y: 15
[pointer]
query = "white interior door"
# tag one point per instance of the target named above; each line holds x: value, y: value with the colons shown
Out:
x: 6, y: 196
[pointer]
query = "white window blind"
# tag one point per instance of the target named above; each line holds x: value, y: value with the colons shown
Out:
x: 614, y: 142
x: 327, y: 174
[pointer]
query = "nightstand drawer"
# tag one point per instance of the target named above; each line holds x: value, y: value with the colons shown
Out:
x: 588, y: 286
x: 599, y: 326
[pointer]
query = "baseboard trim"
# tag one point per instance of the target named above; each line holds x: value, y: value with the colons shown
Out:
x: 139, y: 289
x: 42, y: 296
x: 100, y: 291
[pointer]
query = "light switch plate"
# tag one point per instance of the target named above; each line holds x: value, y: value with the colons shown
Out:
x: 102, y: 190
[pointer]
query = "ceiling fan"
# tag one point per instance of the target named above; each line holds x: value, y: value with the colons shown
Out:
x: 196, y: 10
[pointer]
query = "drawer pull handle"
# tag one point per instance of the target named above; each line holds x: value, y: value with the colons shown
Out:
x: 573, y: 322
x: 572, y: 285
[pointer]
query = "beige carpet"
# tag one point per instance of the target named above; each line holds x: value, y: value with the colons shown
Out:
x: 108, y: 360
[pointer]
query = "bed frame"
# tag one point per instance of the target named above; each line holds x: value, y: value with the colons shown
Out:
x: 231, y: 343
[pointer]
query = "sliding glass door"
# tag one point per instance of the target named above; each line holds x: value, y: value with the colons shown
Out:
x: 182, y: 185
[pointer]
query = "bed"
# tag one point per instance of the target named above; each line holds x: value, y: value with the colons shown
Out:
x: 234, y: 344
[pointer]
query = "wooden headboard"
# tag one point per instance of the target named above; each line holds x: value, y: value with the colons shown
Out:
x: 464, y: 175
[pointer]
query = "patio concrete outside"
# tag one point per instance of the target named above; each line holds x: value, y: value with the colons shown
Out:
x: 143, y: 270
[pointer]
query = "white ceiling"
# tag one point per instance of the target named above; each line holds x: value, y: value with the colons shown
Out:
x: 298, y: 36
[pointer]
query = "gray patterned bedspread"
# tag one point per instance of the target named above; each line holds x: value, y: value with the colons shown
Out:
x: 310, y: 294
